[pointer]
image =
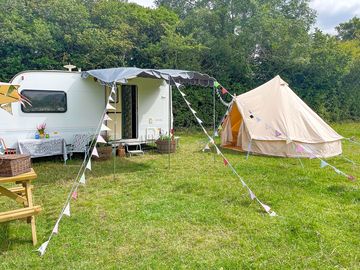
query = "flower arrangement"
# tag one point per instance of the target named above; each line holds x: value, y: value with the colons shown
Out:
x: 41, y: 129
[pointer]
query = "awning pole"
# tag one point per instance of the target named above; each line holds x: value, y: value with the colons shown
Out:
x: 170, y: 114
x: 115, y: 126
x: 214, y: 116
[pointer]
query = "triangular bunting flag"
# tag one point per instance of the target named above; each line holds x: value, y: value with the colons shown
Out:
x: 88, y: 165
x: 288, y: 140
x: 252, y: 195
x: 225, y: 162
x: 273, y: 214
x: 187, y: 102
x: 113, y: 89
x: 206, y: 148
x: 218, y: 151
x: 266, y: 207
x: 277, y: 133
x: 74, y: 195
x: 82, y: 179
x: 109, y: 107
x: 337, y: 171
x: 351, y: 178
x: 198, y: 119
x: 323, y: 164
x: 224, y: 91
x: 67, y: 210
x: 56, y: 227
x: 216, y: 84
x: 299, y: 149
x: 100, y: 139
x: 182, y: 93
x: 111, y: 99
x: 216, y: 134
x: 43, y: 247
x: 192, y: 110
x: 312, y: 156
x: 178, y: 85
x: 107, y: 118
x: 95, y: 152
x: 104, y: 128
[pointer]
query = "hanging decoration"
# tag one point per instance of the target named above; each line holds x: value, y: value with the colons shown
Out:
x: 86, y: 165
x: 225, y: 160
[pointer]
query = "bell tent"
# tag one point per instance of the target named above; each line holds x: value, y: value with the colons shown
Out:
x: 272, y: 120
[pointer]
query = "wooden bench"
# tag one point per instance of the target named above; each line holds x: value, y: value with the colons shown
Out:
x: 22, y: 195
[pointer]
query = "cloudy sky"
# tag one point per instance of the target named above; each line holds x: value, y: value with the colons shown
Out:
x: 330, y: 12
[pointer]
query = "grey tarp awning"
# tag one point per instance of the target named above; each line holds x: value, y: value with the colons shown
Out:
x: 123, y: 74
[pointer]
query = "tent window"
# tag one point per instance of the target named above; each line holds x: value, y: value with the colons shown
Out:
x: 45, y: 101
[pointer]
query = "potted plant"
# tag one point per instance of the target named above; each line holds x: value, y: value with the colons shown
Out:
x: 166, y: 144
x: 41, y: 130
x: 104, y: 149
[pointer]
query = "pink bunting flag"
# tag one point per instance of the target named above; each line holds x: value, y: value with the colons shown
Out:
x: 100, y: 139
x: 95, y: 152
x: 277, y: 133
x: 312, y: 156
x: 224, y: 91
x: 74, y: 195
x: 107, y: 118
x: 225, y: 162
x: 299, y: 149
x: 351, y: 178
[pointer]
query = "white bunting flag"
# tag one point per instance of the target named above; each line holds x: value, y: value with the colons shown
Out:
x: 198, y: 119
x: 337, y: 171
x: 95, y: 152
x: 323, y: 164
x: 42, y: 248
x: 178, y: 85
x: 82, y: 179
x: 113, y: 90
x: 216, y: 134
x: 104, y: 128
x: 109, y: 107
x: 182, y: 93
x: 100, y: 139
x: 187, y: 102
x: 288, y: 140
x: 56, y: 227
x: 192, y: 110
x: 218, y: 151
x: 67, y: 210
x: 273, y: 214
x: 88, y: 165
x: 266, y: 207
x: 111, y: 99
x: 252, y: 195
x: 107, y: 118
x: 206, y: 148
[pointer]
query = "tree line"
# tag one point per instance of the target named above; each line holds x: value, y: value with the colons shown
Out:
x: 241, y: 43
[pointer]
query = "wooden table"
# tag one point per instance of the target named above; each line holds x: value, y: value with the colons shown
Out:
x: 21, y: 194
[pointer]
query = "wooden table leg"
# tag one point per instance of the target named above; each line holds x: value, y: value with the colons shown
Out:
x: 28, y: 194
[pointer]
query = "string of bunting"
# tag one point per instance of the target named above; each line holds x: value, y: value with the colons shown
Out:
x: 80, y: 179
x: 225, y: 160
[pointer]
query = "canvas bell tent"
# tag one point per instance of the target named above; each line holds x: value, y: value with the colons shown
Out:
x: 71, y: 103
x: 272, y: 120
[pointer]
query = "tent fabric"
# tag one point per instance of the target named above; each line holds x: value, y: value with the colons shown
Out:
x: 123, y: 74
x: 271, y: 116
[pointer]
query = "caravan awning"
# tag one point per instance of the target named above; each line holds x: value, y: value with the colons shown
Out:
x: 123, y: 74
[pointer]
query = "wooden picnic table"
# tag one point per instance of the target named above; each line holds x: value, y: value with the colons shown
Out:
x: 21, y: 194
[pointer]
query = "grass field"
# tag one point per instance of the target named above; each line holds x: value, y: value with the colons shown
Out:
x: 195, y: 215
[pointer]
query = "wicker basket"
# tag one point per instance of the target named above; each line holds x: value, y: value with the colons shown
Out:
x: 12, y: 165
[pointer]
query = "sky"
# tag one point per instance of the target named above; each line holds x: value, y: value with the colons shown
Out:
x: 329, y: 12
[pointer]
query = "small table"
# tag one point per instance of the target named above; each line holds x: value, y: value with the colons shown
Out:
x: 43, y: 147
x: 22, y: 195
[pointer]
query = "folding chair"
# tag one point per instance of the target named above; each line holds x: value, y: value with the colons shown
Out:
x: 5, y: 150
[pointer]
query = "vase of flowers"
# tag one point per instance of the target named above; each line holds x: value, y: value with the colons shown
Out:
x: 41, y: 130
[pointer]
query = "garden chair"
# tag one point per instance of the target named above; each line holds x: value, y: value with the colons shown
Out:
x: 4, y: 150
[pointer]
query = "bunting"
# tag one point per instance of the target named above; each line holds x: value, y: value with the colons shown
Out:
x: 110, y: 107
x: 107, y: 118
x: 277, y: 133
x: 111, y: 99
x: 56, y: 227
x: 74, y: 195
x: 100, y: 139
x: 95, y: 152
x: 225, y: 162
x: 88, y: 165
x: 323, y: 164
x: 67, y: 210
x: 252, y: 195
x: 206, y: 148
x: 43, y: 247
x: 224, y: 91
x: 104, y: 128
x: 299, y: 149
x: 82, y: 179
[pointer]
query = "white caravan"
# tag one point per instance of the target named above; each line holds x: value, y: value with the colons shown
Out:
x: 72, y: 103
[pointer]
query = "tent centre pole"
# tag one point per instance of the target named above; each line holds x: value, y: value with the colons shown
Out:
x: 170, y: 114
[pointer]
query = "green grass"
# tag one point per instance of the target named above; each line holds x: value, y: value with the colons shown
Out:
x: 195, y: 215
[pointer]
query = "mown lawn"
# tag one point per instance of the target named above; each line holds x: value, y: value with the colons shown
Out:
x: 195, y: 215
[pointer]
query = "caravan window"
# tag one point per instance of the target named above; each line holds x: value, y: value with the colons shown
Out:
x: 44, y: 101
